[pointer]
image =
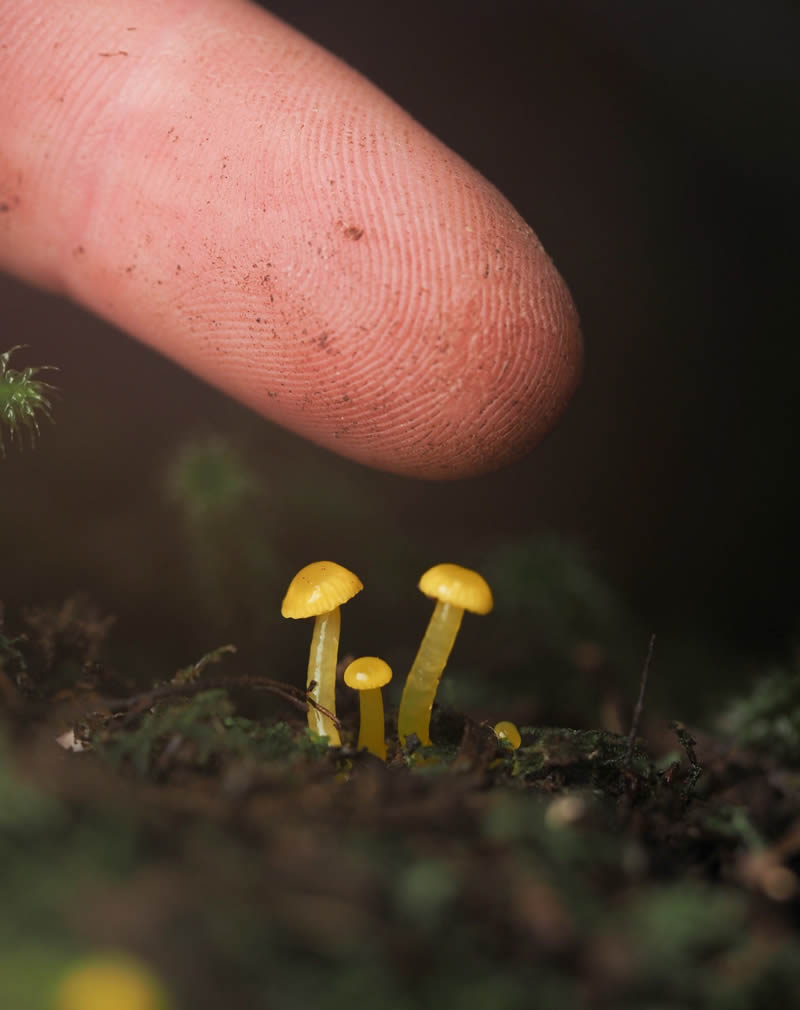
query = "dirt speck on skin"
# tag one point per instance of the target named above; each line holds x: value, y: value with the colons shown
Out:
x: 353, y: 232
x: 9, y: 204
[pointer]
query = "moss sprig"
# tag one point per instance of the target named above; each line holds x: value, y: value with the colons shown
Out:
x: 24, y: 399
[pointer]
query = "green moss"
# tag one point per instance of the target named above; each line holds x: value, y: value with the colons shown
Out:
x: 327, y: 893
x: 423, y: 893
x: 569, y: 757
x: 205, y: 729
x: 51, y: 858
x: 24, y: 400
x: 254, y: 866
x: 768, y: 719
x: 672, y: 928
x: 734, y: 823
x: 12, y: 660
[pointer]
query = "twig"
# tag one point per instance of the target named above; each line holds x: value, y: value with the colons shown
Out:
x: 639, y: 707
x: 687, y: 741
x: 289, y: 693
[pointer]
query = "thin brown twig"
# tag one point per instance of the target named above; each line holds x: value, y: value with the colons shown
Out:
x: 639, y: 707
x: 289, y: 693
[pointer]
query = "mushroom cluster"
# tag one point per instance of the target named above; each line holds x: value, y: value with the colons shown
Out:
x: 320, y: 589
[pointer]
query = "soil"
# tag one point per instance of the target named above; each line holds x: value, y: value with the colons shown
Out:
x: 246, y: 864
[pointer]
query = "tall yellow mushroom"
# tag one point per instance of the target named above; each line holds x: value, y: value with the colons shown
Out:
x: 455, y: 590
x: 317, y: 591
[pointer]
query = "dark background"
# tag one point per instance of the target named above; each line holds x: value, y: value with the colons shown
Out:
x: 655, y: 150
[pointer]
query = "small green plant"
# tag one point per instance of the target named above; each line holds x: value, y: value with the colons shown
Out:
x: 222, y: 505
x: 23, y: 399
x: 210, y: 483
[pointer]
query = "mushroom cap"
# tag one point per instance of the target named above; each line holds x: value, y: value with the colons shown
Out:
x: 319, y: 588
x: 367, y: 673
x: 459, y: 586
x: 508, y: 731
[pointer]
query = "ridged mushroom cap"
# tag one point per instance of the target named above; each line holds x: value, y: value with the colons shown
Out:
x: 319, y: 588
x: 367, y: 673
x: 458, y: 586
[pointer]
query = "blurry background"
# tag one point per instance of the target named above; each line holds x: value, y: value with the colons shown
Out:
x: 655, y: 150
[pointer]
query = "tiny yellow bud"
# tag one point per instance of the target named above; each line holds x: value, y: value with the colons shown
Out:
x: 111, y: 980
x: 508, y: 731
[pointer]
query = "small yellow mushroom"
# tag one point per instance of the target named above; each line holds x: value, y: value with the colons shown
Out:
x: 368, y: 675
x: 110, y: 980
x: 455, y: 590
x: 317, y: 591
x: 508, y: 732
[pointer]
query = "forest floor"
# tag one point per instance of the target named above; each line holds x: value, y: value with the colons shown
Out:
x: 248, y: 865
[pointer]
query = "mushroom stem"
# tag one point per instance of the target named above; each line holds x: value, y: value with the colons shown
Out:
x: 426, y: 672
x: 370, y: 733
x: 322, y: 671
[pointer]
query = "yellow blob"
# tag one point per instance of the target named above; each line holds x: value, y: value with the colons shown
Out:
x: 508, y: 731
x: 110, y: 982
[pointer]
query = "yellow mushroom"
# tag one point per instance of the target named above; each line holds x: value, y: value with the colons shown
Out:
x: 455, y: 590
x: 317, y: 591
x: 110, y: 980
x: 368, y: 675
x: 508, y: 732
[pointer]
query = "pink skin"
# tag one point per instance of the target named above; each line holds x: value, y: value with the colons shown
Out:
x: 215, y: 184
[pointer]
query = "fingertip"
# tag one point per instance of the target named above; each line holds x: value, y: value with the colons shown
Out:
x: 232, y: 195
x: 468, y: 362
